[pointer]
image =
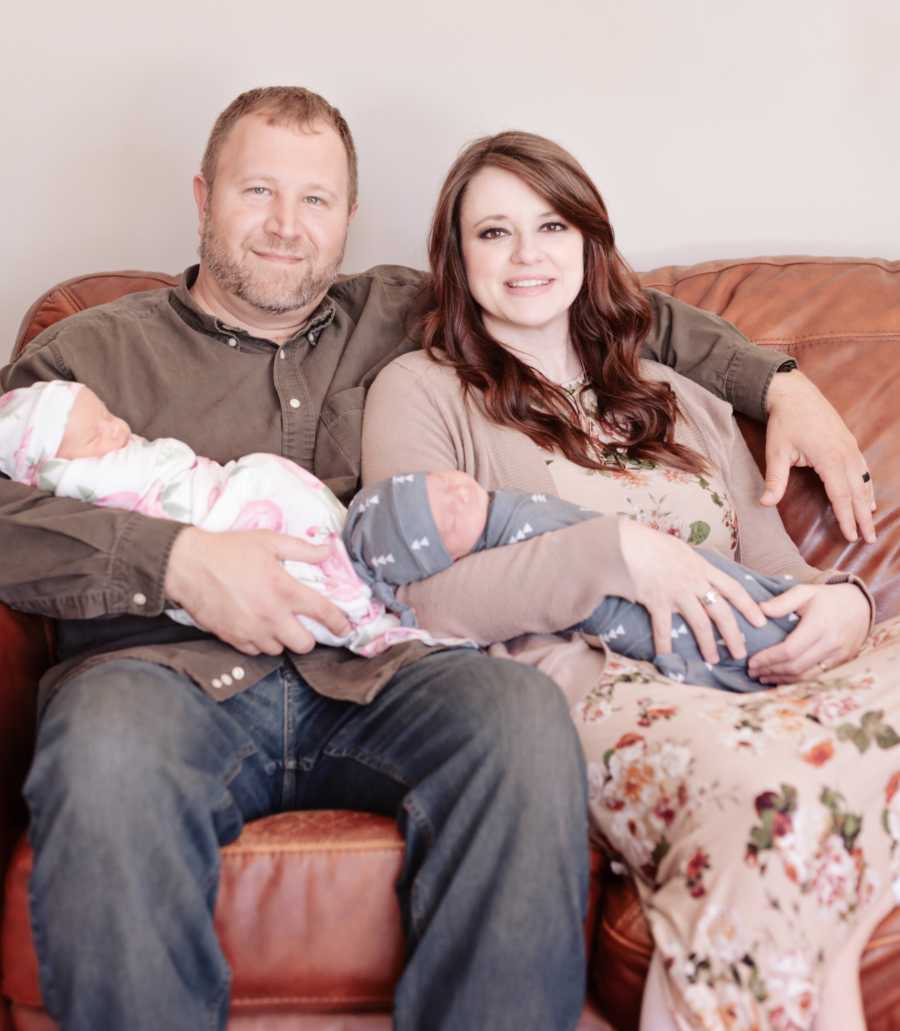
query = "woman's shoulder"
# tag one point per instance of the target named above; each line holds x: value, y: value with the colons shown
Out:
x: 419, y: 367
x: 693, y: 399
x: 705, y: 422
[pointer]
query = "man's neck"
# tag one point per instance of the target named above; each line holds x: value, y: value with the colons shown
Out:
x: 232, y: 311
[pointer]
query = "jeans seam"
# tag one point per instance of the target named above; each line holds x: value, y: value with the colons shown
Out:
x: 420, y: 819
x: 215, y: 1009
x: 244, y: 752
x: 374, y: 762
x: 47, y: 989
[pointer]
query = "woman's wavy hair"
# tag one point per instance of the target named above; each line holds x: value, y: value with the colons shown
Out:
x: 608, y: 320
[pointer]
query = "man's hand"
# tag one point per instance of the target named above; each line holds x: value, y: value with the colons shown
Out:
x: 234, y: 586
x: 804, y: 429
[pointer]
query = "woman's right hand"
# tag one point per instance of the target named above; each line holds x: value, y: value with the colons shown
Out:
x: 671, y: 576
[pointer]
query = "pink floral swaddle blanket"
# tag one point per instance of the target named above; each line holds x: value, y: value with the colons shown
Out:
x: 166, y: 479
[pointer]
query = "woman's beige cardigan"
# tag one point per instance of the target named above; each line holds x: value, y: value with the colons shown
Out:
x: 417, y: 419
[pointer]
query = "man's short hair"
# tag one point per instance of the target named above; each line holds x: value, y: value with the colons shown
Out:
x: 285, y: 105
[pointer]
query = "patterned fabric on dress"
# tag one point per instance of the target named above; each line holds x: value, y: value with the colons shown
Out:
x: 762, y: 831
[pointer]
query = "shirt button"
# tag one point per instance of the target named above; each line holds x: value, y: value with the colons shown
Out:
x: 232, y: 342
x: 294, y: 403
x: 226, y: 680
x: 238, y: 672
x: 216, y: 683
x: 281, y: 354
x: 139, y: 599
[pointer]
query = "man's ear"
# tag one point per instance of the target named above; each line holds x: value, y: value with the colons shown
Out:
x: 353, y: 211
x: 201, y: 197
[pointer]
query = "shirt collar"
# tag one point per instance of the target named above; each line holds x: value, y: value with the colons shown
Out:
x: 187, y: 308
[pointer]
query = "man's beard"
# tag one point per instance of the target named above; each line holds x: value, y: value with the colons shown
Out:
x: 277, y: 292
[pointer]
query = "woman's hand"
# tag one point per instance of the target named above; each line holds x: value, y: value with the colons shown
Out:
x: 834, y: 622
x: 671, y: 576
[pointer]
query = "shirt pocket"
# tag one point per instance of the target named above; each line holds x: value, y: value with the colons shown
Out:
x: 338, y: 442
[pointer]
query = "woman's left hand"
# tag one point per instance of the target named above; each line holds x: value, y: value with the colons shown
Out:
x: 834, y: 622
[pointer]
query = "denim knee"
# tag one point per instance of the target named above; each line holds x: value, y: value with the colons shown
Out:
x: 507, y: 726
x: 112, y: 748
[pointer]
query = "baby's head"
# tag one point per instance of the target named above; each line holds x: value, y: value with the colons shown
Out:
x: 413, y: 526
x: 55, y: 419
x: 459, y: 507
x: 92, y: 431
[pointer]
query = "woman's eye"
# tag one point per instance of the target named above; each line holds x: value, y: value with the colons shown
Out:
x: 555, y: 227
x: 493, y: 233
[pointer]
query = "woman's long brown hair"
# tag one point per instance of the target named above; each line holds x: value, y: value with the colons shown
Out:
x: 608, y: 320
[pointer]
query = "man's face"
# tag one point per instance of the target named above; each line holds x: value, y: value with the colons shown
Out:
x: 274, y: 225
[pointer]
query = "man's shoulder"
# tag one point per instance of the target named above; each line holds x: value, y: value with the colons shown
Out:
x: 394, y: 286
x: 108, y: 317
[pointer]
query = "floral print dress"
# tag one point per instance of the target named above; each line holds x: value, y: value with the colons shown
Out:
x: 762, y: 831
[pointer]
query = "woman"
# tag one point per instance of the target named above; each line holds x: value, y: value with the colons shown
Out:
x: 760, y: 831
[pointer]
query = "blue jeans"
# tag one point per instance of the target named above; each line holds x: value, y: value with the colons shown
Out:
x: 139, y: 778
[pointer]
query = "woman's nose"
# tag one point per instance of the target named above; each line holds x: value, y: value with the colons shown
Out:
x: 526, y: 250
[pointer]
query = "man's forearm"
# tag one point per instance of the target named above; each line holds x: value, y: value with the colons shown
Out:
x: 70, y: 560
x: 712, y: 352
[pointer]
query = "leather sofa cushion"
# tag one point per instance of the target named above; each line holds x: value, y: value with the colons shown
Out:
x: 306, y: 914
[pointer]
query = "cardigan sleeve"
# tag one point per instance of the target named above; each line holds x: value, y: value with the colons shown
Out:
x: 541, y: 585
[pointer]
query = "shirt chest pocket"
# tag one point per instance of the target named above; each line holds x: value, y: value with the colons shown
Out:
x: 338, y: 440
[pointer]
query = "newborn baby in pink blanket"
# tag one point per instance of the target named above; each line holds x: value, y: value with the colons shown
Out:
x: 60, y: 437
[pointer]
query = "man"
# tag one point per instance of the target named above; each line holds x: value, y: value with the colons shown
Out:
x: 157, y: 742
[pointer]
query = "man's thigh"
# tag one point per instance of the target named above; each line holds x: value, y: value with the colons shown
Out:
x: 144, y: 727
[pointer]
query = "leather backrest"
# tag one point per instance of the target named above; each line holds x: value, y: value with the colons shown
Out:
x: 840, y: 317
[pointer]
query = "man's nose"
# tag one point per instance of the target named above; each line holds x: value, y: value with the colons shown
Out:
x: 284, y: 219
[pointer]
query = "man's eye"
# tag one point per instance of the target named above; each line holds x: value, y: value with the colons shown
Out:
x: 555, y: 227
x: 314, y: 200
x: 492, y: 233
x: 259, y: 191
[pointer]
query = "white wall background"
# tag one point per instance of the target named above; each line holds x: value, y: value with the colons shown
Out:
x: 715, y: 128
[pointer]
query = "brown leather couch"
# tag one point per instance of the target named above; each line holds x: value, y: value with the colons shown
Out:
x: 334, y: 871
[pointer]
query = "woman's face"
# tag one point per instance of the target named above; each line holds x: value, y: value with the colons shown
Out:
x: 524, y: 263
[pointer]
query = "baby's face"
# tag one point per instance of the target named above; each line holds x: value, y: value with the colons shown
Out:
x: 92, y: 431
x: 459, y: 506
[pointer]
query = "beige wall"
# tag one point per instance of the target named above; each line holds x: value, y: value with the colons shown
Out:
x: 713, y: 127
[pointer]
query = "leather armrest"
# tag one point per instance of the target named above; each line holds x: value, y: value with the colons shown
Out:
x: 25, y: 648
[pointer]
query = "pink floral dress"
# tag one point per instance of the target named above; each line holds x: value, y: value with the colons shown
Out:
x: 762, y: 831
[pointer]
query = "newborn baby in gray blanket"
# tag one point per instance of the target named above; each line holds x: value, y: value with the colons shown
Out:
x: 414, y: 525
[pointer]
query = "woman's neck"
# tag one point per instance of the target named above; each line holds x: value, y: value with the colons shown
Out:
x: 546, y: 349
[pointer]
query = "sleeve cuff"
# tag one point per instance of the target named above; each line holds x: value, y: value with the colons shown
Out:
x: 140, y: 562
x: 748, y: 377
